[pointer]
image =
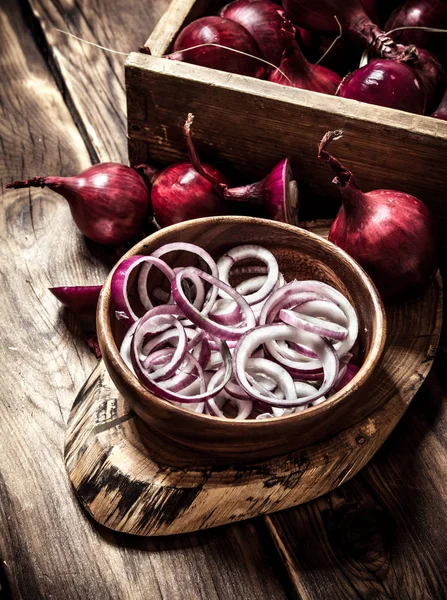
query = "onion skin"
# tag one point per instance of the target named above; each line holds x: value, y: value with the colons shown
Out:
x: 218, y: 30
x: 420, y: 13
x: 318, y: 16
x: 109, y: 202
x: 264, y: 21
x: 389, y: 233
x: 441, y: 111
x: 432, y: 76
x: 302, y: 74
x: 385, y: 83
x: 179, y: 193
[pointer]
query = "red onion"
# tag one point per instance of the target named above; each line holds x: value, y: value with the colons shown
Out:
x: 223, y: 32
x: 420, y: 13
x: 82, y: 300
x: 432, y: 76
x: 385, y: 83
x: 180, y: 193
x: 188, y: 362
x: 109, y: 202
x: 441, y: 111
x: 319, y: 16
x: 391, y: 234
x: 295, y: 71
x: 277, y: 193
x: 78, y: 298
x: 265, y: 23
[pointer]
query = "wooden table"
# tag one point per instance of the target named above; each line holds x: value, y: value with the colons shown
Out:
x: 381, y: 535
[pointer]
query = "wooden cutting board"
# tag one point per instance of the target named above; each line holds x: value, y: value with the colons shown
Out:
x: 121, y: 474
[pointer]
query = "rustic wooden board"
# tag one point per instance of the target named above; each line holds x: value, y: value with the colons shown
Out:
x: 121, y: 474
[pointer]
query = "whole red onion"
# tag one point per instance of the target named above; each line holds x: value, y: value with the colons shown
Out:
x: 385, y: 83
x: 319, y: 16
x: 180, y: 193
x: 295, y: 71
x: 420, y: 13
x: 390, y: 234
x: 264, y: 21
x: 432, y: 76
x: 217, y: 30
x: 441, y: 111
x: 109, y: 202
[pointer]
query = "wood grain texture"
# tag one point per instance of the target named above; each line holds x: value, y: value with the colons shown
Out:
x: 129, y: 479
x: 382, y: 535
x: 245, y: 126
x: 92, y: 79
x: 48, y: 548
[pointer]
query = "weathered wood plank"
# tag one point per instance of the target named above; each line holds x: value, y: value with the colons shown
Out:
x: 48, y: 546
x: 92, y: 79
x: 382, y: 535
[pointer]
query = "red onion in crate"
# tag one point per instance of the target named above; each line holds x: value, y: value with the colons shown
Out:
x: 441, y: 111
x: 295, y: 71
x: 389, y: 233
x: 264, y: 21
x: 223, y: 32
x: 385, y: 83
x: 319, y: 16
x: 420, y: 13
x: 432, y: 76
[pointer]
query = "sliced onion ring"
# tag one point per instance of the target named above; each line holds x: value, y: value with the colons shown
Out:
x: 225, y: 263
x: 251, y: 340
x: 224, y: 332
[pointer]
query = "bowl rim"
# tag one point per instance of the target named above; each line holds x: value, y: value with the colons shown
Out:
x: 368, y: 367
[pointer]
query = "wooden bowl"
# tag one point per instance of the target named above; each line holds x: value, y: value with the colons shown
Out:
x: 301, y: 255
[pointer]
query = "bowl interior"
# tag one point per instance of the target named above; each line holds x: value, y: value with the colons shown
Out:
x: 301, y: 255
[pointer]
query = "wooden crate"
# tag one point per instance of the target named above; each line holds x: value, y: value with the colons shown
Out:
x: 245, y: 125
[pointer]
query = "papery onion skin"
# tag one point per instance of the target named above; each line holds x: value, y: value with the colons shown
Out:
x: 389, y: 233
x: 109, y: 202
x: 420, y: 13
x: 295, y: 71
x: 441, y: 111
x: 385, y: 83
x: 263, y: 20
x: 179, y: 193
x: 224, y: 32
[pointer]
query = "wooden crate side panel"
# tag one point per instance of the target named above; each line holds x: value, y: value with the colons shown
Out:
x: 246, y: 133
x: 179, y: 14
